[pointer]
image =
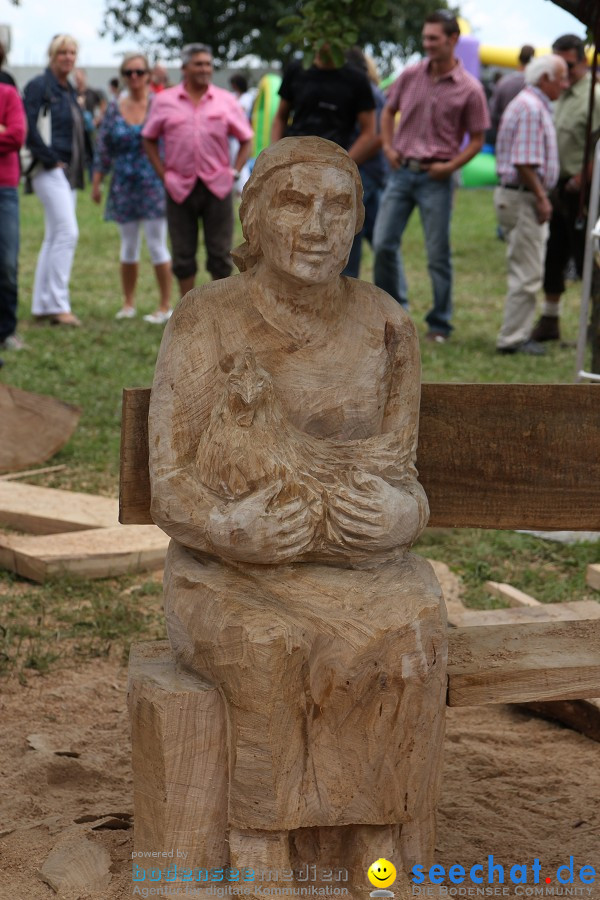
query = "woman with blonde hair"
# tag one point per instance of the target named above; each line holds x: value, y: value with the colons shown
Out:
x: 136, y: 195
x: 56, y: 140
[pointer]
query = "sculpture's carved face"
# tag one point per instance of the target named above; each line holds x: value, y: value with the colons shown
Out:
x: 307, y: 222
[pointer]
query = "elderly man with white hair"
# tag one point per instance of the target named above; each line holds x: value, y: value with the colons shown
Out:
x: 528, y: 168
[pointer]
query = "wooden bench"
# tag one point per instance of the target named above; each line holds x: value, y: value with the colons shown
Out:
x: 494, y: 456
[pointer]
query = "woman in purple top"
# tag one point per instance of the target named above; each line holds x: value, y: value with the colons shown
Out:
x: 136, y: 195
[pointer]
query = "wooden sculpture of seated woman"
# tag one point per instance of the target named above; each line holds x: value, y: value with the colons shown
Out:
x: 283, y: 429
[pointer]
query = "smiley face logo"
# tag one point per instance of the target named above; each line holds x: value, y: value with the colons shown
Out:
x: 382, y: 873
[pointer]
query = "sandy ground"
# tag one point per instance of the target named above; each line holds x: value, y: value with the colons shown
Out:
x: 515, y: 786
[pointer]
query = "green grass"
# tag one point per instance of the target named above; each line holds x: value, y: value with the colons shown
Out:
x: 65, y: 621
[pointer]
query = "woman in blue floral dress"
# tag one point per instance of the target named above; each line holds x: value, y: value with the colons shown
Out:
x: 136, y: 195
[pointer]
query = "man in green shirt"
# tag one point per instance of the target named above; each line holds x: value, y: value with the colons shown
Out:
x: 567, y: 233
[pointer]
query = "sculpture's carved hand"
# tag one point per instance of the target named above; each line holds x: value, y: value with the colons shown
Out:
x: 269, y: 526
x: 370, y: 514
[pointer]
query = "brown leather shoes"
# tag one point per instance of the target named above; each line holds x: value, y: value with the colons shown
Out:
x: 547, y: 328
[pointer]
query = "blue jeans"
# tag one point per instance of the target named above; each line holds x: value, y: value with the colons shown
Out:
x: 371, y: 197
x: 9, y: 256
x: 404, y: 191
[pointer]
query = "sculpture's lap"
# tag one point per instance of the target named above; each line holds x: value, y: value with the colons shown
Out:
x: 335, y: 683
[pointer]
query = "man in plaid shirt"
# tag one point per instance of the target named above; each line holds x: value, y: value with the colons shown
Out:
x: 439, y: 102
x: 528, y: 167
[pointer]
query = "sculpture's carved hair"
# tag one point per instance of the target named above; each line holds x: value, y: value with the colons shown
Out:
x: 286, y: 152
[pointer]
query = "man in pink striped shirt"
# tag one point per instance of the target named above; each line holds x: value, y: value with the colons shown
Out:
x: 439, y: 102
x: 528, y: 168
x: 195, y: 120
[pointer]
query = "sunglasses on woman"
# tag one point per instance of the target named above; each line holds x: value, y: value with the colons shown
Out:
x: 139, y: 72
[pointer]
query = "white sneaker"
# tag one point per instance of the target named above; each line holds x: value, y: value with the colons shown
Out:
x: 13, y: 342
x: 128, y: 312
x: 159, y: 317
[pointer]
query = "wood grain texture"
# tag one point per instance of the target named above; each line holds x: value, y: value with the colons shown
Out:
x: 181, y: 804
x: 134, y: 493
x: 34, y: 427
x: 282, y: 434
x: 334, y: 680
x: 489, y: 456
x: 40, y: 510
x: 511, y: 455
x: 541, y: 661
x: 179, y: 746
x: 93, y: 553
x: 580, y: 715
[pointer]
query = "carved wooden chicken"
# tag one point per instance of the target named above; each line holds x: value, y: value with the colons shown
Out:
x: 250, y: 443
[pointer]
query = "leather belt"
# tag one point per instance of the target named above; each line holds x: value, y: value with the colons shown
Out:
x: 419, y: 165
x: 517, y: 187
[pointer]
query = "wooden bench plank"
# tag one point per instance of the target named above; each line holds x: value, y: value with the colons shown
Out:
x: 40, y: 510
x: 581, y: 715
x: 480, y: 454
x: 537, y: 661
x: 134, y: 493
x: 511, y: 455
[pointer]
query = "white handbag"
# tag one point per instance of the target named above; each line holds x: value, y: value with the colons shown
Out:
x: 44, y: 127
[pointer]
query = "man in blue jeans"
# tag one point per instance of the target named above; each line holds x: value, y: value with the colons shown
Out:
x: 12, y: 136
x: 439, y: 103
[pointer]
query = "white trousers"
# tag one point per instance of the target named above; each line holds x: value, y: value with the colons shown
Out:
x: 525, y: 254
x: 156, y: 238
x: 53, y: 271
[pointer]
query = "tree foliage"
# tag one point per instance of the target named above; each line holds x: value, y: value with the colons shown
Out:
x: 250, y: 27
x: 329, y: 27
x: 587, y: 11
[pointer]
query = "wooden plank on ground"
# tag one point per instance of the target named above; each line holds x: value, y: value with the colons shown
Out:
x: 533, y: 661
x: 512, y: 595
x: 489, y: 456
x: 34, y: 427
x: 29, y: 473
x: 593, y: 576
x: 97, y: 553
x: 544, y: 612
x: 580, y: 715
x: 40, y: 510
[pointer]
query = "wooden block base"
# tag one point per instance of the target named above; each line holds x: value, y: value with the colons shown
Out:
x: 179, y: 741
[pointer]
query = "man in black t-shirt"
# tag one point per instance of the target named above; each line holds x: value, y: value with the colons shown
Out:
x: 327, y: 102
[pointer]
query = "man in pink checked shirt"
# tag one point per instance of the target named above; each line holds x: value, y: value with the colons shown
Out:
x: 195, y: 120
